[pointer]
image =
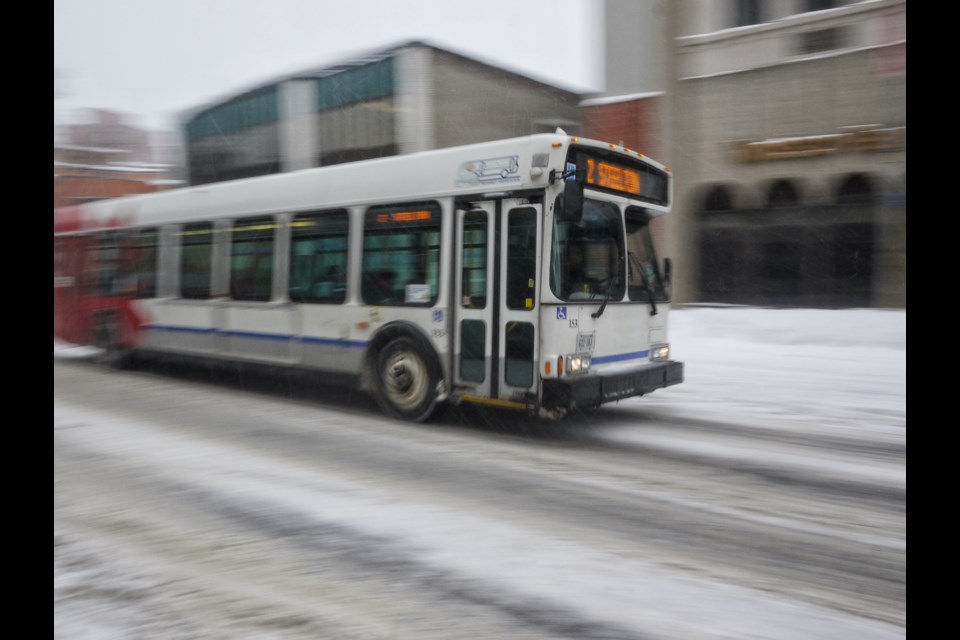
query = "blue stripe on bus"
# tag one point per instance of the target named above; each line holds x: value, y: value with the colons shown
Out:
x: 335, y: 342
x: 177, y: 329
x: 355, y: 344
x: 620, y: 357
x: 256, y: 335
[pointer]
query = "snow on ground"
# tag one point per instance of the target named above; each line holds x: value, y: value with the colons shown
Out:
x: 67, y: 351
x: 841, y: 371
x: 803, y: 372
x: 513, y: 559
x: 831, y: 373
x: 836, y: 373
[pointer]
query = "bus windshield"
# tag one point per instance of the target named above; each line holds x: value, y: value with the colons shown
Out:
x: 644, y: 280
x: 586, y: 261
x: 587, y: 256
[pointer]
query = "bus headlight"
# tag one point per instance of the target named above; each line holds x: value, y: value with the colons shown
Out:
x: 577, y: 364
x: 660, y: 352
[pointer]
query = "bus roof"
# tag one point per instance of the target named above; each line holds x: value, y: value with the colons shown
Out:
x: 488, y: 167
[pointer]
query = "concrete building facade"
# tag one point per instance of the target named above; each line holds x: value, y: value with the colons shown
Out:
x: 403, y: 99
x: 789, y: 147
x: 784, y: 122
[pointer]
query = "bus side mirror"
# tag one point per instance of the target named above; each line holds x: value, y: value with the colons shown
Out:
x: 667, y: 271
x: 572, y: 209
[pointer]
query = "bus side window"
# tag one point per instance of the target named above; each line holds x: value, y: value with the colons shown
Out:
x: 251, y: 259
x: 101, y: 264
x: 318, y: 257
x: 196, y: 253
x: 143, y: 249
x: 401, y: 255
x: 88, y: 264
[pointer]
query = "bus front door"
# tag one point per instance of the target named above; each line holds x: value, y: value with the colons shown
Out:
x: 495, y: 329
x: 518, y: 342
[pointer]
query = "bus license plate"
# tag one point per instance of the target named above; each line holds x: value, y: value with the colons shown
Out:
x: 585, y: 342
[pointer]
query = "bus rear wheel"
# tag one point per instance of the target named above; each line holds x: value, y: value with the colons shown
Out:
x: 406, y: 380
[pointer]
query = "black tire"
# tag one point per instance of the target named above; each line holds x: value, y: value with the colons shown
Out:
x: 405, y: 379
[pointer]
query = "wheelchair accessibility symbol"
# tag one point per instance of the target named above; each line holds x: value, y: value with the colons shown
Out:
x: 561, y: 313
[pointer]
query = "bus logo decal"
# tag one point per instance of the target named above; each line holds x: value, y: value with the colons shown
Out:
x: 489, y: 171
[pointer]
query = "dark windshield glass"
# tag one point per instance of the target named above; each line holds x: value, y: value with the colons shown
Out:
x: 586, y: 261
x: 643, y: 274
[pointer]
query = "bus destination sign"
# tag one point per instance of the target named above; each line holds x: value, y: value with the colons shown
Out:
x: 610, y: 171
x: 608, y: 175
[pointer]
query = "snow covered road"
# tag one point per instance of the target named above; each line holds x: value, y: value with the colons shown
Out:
x: 764, y: 498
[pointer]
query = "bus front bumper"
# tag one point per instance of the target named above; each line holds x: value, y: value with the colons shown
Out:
x: 594, y: 389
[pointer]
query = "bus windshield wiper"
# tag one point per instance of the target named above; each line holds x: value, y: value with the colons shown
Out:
x: 611, y: 281
x: 603, y: 305
x: 646, y: 282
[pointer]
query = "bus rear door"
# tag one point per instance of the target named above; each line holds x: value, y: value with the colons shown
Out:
x: 475, y: 301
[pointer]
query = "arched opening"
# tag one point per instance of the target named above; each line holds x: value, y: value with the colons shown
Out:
x: 789, y: 252
x: 718, y: 198
x: 782, y: 193
x: 856, y: 189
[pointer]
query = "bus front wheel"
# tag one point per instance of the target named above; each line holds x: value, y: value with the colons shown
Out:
x: 406, y: 380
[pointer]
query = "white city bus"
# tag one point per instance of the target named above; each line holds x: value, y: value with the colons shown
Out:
x: 519, y: 273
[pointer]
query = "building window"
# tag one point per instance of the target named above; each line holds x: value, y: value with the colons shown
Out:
x: 822, y: 40
x: 748, y: 12
x: 360, y: 84
x: 242, y: 113
x: 355, y: 117
x: 820, y: 5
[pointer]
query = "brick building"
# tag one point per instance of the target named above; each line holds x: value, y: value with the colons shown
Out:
x: 107, y: 157
x: 85, y: 174
x: 632, y: 120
